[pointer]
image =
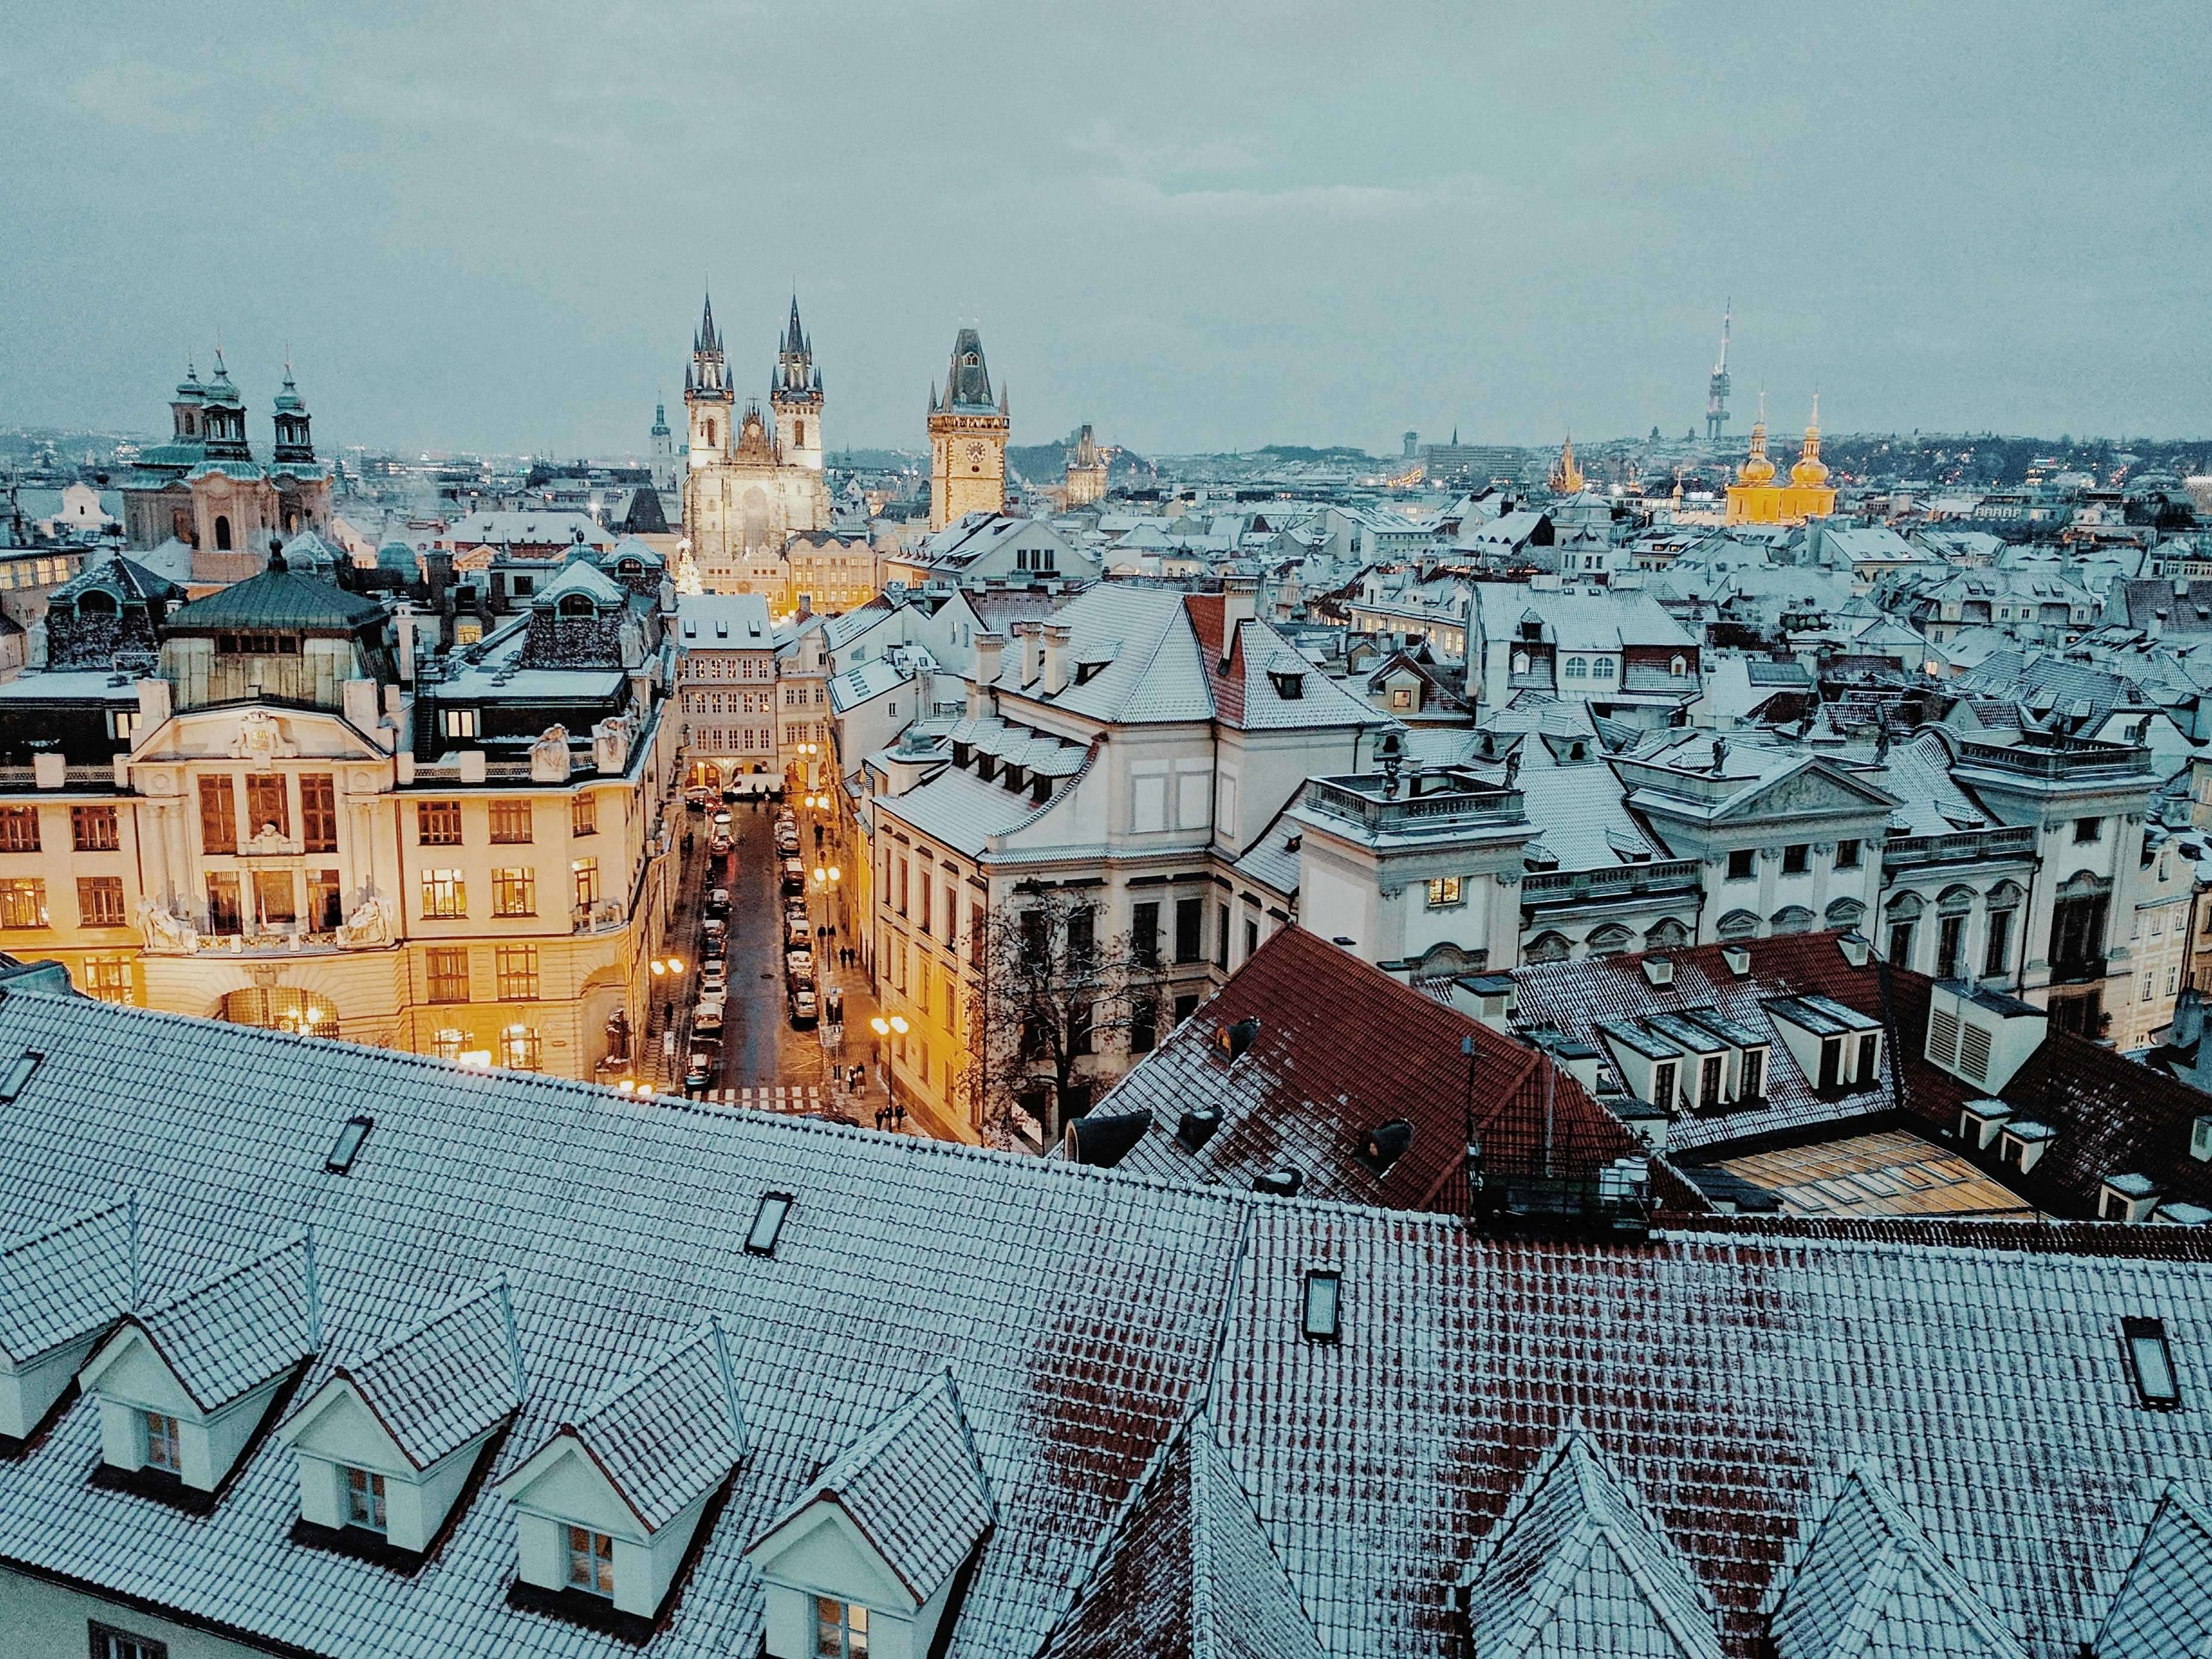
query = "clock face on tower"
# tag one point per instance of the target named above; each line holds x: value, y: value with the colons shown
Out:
x: 977, y: 449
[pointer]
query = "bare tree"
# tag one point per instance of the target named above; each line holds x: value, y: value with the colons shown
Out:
x: 1050, y: 994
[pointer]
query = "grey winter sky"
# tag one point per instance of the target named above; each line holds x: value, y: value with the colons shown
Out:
x: 1197, y: 226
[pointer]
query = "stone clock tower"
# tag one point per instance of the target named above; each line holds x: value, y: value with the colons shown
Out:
x: 967, y: 438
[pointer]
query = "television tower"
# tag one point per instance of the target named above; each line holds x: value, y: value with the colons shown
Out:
x: 1717, y: 390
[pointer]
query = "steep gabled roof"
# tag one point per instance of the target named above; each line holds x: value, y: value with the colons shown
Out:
x: 444, y: 1380
x: 1579, y: 1566
x: 228, y: 1336
x: 1869, y: 1584
x: 667, y: 1435
x: 65, y: 1282
x: 2164, y: 1607
x: 913, y: 1484
x: 1186, y: 1568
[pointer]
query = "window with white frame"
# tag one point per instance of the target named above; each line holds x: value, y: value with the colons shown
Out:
x: 365, y: 1499
x: 591, y: 1561
x: 108, y: 1643
x: 162, y: 1450
x: 841, y: 1628
x: 1446, y: 890
x: 1578, y: 668
x: 1602, y: 668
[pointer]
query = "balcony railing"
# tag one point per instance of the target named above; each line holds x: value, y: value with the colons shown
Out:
x: 2069, y: 758
x: 16, y: 779
x: 1582, y: 886
x: 1406, y: 811
x: 1964, y: 847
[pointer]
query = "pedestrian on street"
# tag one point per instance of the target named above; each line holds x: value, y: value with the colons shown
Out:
x: 668, y: 1015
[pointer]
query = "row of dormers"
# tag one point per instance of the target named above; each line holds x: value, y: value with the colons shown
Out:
x: 391, y: 1447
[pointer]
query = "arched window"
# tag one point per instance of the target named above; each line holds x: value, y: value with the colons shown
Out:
x: 95, y: 602
x: 578, y: 605
x: 712, y: 435
x: 798, y: 434
x: 1602, y: 668
x: 1546, y: 947
x: 1792, y: 918
x: 221, y: 533
x: 1738, y: 924
x: 1679, y: 667
x: 1578, y: 668
x: 1666, y: 935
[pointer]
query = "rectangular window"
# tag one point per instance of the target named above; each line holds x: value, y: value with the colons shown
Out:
x: 449, y: 975
x: 840, y: 1630
x: 1901, y: 944
x: 1663, y: 1084
x: 518, y: 972
x: 514, y: 891
x: 19, y: 828
x: 1144, y: 1023
x: 1251, y: 939
x: 1755, y: 1074
x: 326, y: 908
x: 1446, y: 890
x: 1145, y: 933
x: 92, y: 829
x: 1742, y: 863
x: 224, y: 912
x: 460, y: 722
x: 22, y: 902
x: 1993, y: 954
x: 1320, y: 1319
x: 267, y: 806
x: 162, y: 1450
x: 1190, y: 923
x: 510, y: 822
x: 1950, y: 941
x: 445, y: 893
x: 1831, y: 1063
x: 438, y: 822
x: 218, y: 816
x: 2086, y: 830
x: 926, y: 908
x: 107, y: 978
x: 584, y: 816
x: 318, y: 812
x: 365, y: 1499
x: 99, y: 902
x: 591, y: 1561
x: 1847, y: 855
x: 1795, y: 859
x: 2152, y: 1362
x: 110, y: 1643
x: 1080, y: 1028
x: 276, y: 901
x: 1708, y: 1082
x: 586, y: 873
x: 1221, y: 936
x: 521, y: 1050
x: 1869, y: 1051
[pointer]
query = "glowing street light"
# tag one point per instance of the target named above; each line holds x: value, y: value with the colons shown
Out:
x: 880, y: 1026
x: 899, y: 1024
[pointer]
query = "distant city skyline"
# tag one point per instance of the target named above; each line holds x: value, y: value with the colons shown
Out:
x: 1325, y: 226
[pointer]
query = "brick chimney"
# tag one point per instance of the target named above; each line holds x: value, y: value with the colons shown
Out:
x: 1240, y: 603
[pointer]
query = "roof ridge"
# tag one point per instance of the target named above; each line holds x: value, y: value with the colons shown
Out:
x: 82, y: 1218
x: 216, y: 1281
x: 422, y: 1326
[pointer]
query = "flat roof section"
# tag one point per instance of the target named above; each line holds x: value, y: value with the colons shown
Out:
x: 1894, y: 1172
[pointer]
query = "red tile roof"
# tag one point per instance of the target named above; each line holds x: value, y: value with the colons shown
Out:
x: 1343, y: 1048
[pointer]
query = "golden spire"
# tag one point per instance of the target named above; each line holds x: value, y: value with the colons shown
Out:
x: 1809, y: 473
x: 1567, y: 477
x: 1756, y: 468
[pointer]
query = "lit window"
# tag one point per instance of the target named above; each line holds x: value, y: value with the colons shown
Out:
x: 460, y: 722
x: 1323, y: 1293
x: 591, y: 1561
x: 364, y: 1499
x: 768, y: 1223
x: 19, y: 828
x: 344, y: 1150
x: 584, y: 815
x: 586, y: 871
x: 840, y: 1630
x: 162, y: 1450
x: 445, y: 893
x: 1446, y: 890
x: 22, y: 902
x: 2151, y: 1361
x: 521, y: 1049
x: 514, y: 891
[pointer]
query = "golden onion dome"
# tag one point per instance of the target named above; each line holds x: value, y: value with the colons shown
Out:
x: 1809, y: 473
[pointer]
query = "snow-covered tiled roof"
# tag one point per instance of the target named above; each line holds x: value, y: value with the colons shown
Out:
x: 443, y: 1381
x: 913, y: 1484
x: 227, y: 1335
x: 2165, y: 1605
x: 1085, y: 1313
x: 65, y: 1282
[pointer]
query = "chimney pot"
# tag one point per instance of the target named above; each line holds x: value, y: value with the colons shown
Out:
x: 1056, y: 635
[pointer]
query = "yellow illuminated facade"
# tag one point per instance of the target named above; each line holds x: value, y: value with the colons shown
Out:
x: 1758, y: 497
x: 1567, y: 478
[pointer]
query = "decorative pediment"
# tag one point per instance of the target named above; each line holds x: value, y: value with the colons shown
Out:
x: 261, y: 740
x: 1817, y: 790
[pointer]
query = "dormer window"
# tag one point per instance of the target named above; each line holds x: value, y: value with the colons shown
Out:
x: 841, y: 1628
x: 365, y: 1500
x: 162, y: 1448
x: 1289, y: 687
x: 591, y: 1562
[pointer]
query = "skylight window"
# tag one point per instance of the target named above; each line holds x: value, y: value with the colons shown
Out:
x: 18, y: 1074
x: 1323, y: 1298
x: 768, y: 1223
x: 347, y: 1146
x: 2152, y: 1362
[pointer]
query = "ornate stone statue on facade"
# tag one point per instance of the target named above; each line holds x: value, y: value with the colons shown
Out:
x: 611, y: 742
x: 549, y: 757
x: 261, y: 739
x: 165, y: 932
x: 375, y: 922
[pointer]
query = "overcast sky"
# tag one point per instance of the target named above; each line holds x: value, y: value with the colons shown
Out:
x: 1203, y: 226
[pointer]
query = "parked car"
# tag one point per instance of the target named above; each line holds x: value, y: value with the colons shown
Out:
x: 706, y: 1019
x: 696, y: 799
x: 794, y: 876
x: 718, y: 903
x: 699, y: 1074
x: 715, y: 936
x: 799, y: 961
x: 718, y: 845
x: 713, y: 979
x: 804, y: 1013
